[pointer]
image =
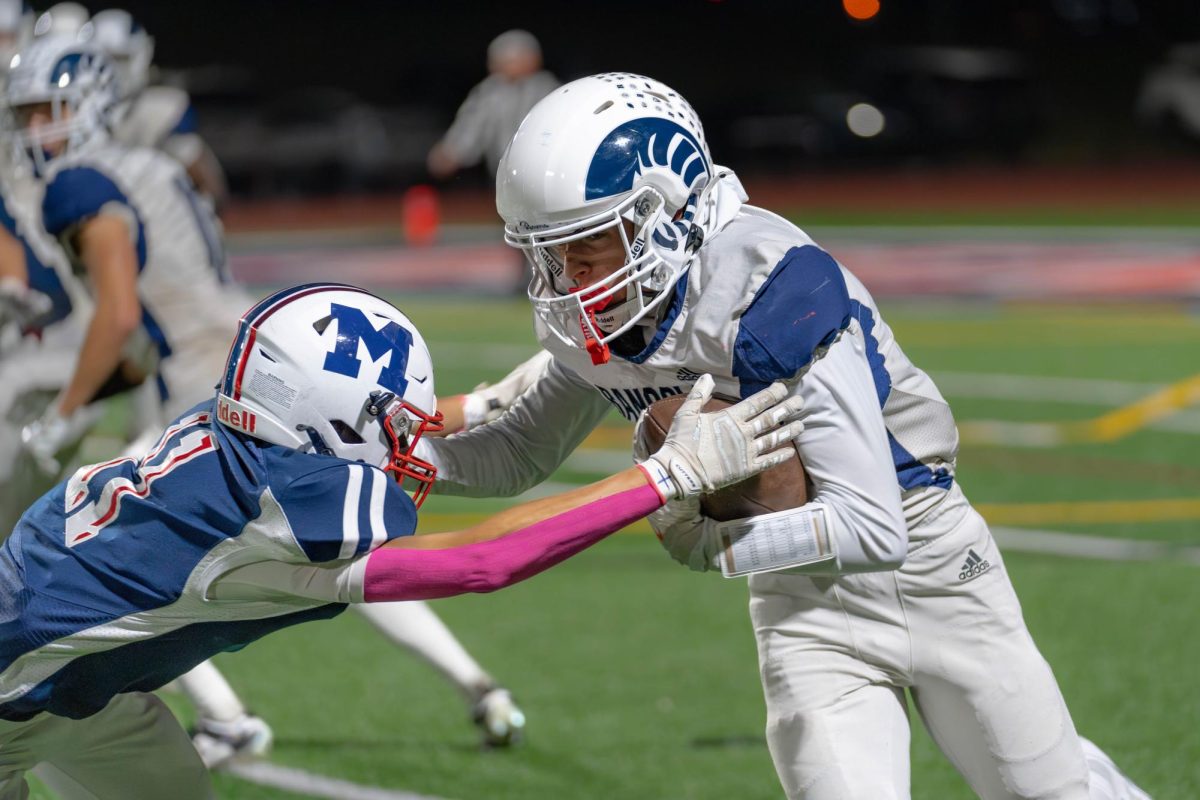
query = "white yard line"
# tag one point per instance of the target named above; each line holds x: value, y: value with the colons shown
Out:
x: 290, y: 779
x: 1080, y: 545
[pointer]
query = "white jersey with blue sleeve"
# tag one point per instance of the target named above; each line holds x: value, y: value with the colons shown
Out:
x: 761, y: 302
x: 106, y: 582
x: 190, y: 306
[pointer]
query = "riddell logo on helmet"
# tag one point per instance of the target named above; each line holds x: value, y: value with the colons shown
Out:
x: 239, y: 418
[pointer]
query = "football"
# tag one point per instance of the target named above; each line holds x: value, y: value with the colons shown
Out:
x: 776, y: 489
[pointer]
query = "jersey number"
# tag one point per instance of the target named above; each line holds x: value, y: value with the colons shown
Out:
x: 91, y: 508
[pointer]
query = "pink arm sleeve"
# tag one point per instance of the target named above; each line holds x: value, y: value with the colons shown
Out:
x: 401, y: 574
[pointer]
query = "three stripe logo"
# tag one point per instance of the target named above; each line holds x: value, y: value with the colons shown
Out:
x: 973, y: 567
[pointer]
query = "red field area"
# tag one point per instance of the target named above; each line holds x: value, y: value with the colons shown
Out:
x: 990, y: 188
x: 360, y: 239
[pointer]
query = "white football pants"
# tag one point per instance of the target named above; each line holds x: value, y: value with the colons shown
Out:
x: 836, y: 655
x: 132, y: 750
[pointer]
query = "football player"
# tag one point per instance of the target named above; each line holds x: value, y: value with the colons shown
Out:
x: 154, y: 115
x: 649, y: 270
x: 39, y: 336
x: 275, y: 503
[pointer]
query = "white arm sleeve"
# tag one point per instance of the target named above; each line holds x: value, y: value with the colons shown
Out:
x: 845, y: 449
x: 525, y: 445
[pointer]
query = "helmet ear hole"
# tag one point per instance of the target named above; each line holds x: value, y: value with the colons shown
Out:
x: 346, y: 433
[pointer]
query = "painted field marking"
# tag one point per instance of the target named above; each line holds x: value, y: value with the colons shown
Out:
x: 291, y: 779
x: 1090, y: 512
x: 1134, y: 417
x: 1148, y: 410
x: 1078, y: 545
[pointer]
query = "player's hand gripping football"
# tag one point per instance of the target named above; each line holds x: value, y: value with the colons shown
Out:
x: 705, y: 451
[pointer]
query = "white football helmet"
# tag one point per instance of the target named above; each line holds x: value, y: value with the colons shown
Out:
x: 333, y: 369
x: 126, y: 42
x: 16, y: 29
x: 76, y: 80
x: 595, y: 153
x: 61, y: 20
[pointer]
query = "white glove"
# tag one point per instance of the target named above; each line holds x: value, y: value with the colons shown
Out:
x: 688, y: 536
x: 44, y: 438
x: 706, y: 451
x: 488, y: 401
x: 21, y: 305
x: 678, y: 525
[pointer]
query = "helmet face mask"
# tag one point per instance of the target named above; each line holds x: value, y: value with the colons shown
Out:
x: 611, y: 150
x: 617, y: 301
x: 334, y: 370
x: 59, y: 97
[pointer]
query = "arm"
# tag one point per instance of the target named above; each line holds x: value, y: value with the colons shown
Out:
x: 106, y: 248
x: 201, y: 165
x: 801, y: 324
x: 487, y: 402
x: 533, y: 537
x: 525, y: 445
x: 462, y: 144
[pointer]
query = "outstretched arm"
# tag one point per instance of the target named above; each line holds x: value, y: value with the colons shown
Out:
x: 523, y: 541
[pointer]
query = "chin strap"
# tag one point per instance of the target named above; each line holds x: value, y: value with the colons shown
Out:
x: 599, y: 351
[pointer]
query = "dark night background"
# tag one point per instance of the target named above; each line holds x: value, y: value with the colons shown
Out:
x: 770, y: 79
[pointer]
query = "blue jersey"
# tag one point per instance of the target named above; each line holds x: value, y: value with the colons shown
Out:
x: 42, y: 278
x: 105, y: 582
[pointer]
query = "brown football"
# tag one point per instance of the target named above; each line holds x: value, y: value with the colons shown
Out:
x: 776, y: 489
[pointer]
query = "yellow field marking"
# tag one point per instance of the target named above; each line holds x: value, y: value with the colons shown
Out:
x: 610, y: 437
x: 1090, y: 511
x: 1124, y: 421
x: 1109, y: 427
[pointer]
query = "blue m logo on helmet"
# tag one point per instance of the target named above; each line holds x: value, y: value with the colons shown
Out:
x: 638, y: 146
x: 354, y: 327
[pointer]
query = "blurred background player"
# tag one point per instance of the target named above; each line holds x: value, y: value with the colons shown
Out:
x: 259, y: 510
x: 152, y: 250
x: 39, y: 337
x: 487, y: 119
x: 154, y: 115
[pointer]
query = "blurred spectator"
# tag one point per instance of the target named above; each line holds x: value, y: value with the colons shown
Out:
x: 489, y: 116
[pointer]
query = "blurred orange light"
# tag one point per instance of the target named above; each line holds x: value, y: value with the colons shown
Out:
x: 861, y: 9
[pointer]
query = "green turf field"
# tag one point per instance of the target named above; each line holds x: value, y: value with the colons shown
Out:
x: 639, y: 678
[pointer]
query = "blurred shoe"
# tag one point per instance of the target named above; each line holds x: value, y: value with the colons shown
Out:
x: 501, y: 721
x: 244, y: 738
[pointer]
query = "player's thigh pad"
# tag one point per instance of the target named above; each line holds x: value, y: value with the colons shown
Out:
x: 134, y: 749
x: 986, y: 694
x: 836, y: 727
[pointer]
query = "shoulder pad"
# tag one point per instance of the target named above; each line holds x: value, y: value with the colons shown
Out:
x: 800, y: 310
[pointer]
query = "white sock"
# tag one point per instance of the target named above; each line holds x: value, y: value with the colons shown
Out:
x: 211, y: 694
x: 414, y: 626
